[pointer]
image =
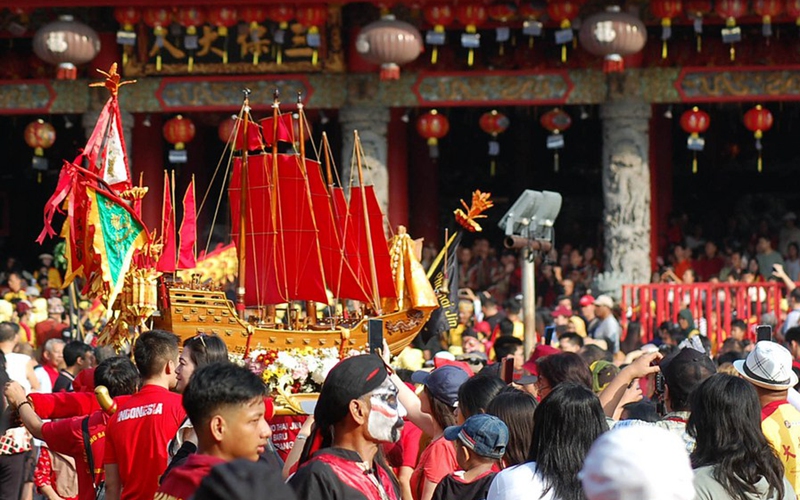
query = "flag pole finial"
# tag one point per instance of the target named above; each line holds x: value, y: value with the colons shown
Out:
x: 113, y: 80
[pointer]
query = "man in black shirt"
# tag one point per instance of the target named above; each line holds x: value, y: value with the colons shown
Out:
x: 77, y: 356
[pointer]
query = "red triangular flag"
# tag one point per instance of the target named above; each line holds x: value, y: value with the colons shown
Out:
x: 187, y: 257
x: 166, y: 263
x: 105, y: 149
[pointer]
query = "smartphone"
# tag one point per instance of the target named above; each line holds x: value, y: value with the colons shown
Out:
x: 507, y: 369
x: 375, y: 333
x: 763, y: 332
x: 549, y: 332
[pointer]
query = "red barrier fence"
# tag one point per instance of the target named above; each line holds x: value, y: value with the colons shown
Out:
x: 714, y: 304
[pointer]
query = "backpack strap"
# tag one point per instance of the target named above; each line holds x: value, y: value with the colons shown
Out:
x: 88, y: 448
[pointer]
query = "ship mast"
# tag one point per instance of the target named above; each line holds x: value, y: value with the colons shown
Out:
x: 311, y: 306
x: 242, y: 253
x: 371, y: 252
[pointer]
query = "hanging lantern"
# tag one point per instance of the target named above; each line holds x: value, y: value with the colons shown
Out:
x: 471, y: 15
x: 225, y: 129
x: 504, y: 13
x: 556, y: 121
x: 758, y: 120
x: 128, y: 18
x: 223, y: 18
x: 313, y: 17
x: 190, y: 18
x: 666, y: 10
x: 613, y: 35
x: 253, y: 17
x: 694, y: 122
x: 730, y: 10
x: 494, y: 123
x: 433, y: 126
x: 563, y: 12
x: 178, y: 131
x: 39, y: 135
x: 67, y: 44
x: 159, y: 20
x: 695, y: 10
x: 390, y: 43
x: 768, y: 10
x: 793, y: 10
x: 280, y: 14
x: 531, y: 11
x: 440, y: 16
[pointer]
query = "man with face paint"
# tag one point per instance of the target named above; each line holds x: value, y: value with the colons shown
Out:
x: 357, y: 410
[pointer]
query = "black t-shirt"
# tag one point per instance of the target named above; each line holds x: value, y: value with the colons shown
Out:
x: 63, y: 382
x: 454, y: 488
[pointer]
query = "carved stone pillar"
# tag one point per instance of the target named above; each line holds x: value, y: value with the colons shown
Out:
x: 89, y: 120
x: 372, y: 123
x: 626, y: 190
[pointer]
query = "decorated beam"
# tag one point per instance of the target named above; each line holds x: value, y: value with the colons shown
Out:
x: 221, y: 93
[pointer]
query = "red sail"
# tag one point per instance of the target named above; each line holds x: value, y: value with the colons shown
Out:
x: 339, y: 275
x: 285, y: 132
x: 356, y: 238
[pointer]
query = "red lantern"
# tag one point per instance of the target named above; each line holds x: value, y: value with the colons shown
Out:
x: 666, y: 10
x: 390, y: 43
x: 502, y: 12
x: 695, y: 10
x: 556, y: 121
x: 159, y: 19
x: 564, y: 13
x: 793, y: 10
x: 471, y: 15
x: 66, y: 43
x: 281, y: 14
x: 730, y: 10
x: 433, y: 126
x: 613, y: 35
x: 254, y: 16
x: 531, y: 11
x: 190, y: 18
x: 313, y: 17
x: 494, y: 123
x: 225, y: 129
x: 440, y: 16
x: 758, y: 120
x: 768, y: 10
x: 178, y: 131
x: 223, y: 18
x: 694, y: 122
x: 39, y: 135
x: 128, y: 18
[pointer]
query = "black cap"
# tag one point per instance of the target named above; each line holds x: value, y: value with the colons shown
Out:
x: 243, y: 480
x: 348, y: 380
x: 685, y: 370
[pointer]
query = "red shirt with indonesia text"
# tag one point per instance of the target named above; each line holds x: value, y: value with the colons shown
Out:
x: 137, y: 437
x: 285, y: 429
x: 183, y: 481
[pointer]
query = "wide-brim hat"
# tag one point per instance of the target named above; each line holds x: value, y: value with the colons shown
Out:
x: 768, y: 366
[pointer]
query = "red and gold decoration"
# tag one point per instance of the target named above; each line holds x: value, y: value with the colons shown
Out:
x: 556, y: 121
x: 313, y: 17
x: 440, y: 16
x: 128, y: 18
x: 613, y: 35
x: 433, y: 126
x: 730, y: 10
x: 190, y: 18
x: 695, y: 10
x: 280, y: 14
x: 666, y: 11
x: 472, y: 15
x: 159, y: 20
x: 564, y: 12
x: 178, y: 131
x: 39, y: 135
x: 694, y: 122
x: 390, y: 43
x: 494, y: 123
x: 768, y: 10
x: 531, y: 11
x: 758, y: 120
x: 222, y: 18
x: 481, y: 202
x: 254, y: 42
x: 66, y: 43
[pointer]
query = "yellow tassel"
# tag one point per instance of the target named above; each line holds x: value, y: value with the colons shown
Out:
x: 699, y: 44
x: 564, y: 53
x: 530, y: 42
x: 733, y: 53
x: 279, y: 57
x: 158, y: 62
x: 225, y: 56
x: 191, y: 64
x: 314, y: 57
x: 760, y: 162
x: 664, y: 49
x: 124, y: 58
x: 435, y: 55
x: 694, y: 162
x: 493, y: 168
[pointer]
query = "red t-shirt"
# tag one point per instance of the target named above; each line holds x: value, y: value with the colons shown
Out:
x: 137, y: 437
x: 437, y: 461
x: 285, y: 429
x: 183, y: 481
x: 66, y: 437
x: 84, y: 381
x: 405, y: 452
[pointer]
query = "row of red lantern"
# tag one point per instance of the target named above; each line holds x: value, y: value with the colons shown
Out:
x: 694, y: 122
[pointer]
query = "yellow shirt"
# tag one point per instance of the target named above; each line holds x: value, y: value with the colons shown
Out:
x: 780, y: 422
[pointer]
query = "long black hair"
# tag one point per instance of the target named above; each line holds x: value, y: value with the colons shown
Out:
x: 516, y: 408
x: 476, y: 393
x: 565, y: 367
x: 566, y: 423
x: 726, y: 422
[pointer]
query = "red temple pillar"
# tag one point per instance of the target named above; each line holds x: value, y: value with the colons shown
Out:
x: 147, y: 155
x: 423, y: 180
x: 397, y: 163
x: 660, y: 182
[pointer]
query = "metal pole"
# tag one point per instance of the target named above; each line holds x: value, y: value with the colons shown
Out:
x: 528, y: 299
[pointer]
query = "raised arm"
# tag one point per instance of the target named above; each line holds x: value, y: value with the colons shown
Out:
x: 612, y: 394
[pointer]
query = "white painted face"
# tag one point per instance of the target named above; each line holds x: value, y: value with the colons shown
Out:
x: 386, y: 415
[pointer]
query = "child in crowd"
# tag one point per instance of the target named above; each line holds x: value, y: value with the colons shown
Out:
x: 480, y: 444
x: 225, y: 403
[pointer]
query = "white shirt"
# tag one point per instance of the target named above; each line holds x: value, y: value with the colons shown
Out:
x: 45, y: 384
x: 17, y: 369
x: 520, y: 482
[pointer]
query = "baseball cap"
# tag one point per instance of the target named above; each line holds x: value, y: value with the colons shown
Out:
x: 603, y: 372
x: 443, y: 383
x: 768, y: 366
x: 348, y: 380
x: 685, y: 370
x: 539, y: 352
x: 561, y: 311
x: 586, y: 300
x: 638, y: 462
x: 604, y: 300
x: 484, y: 434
